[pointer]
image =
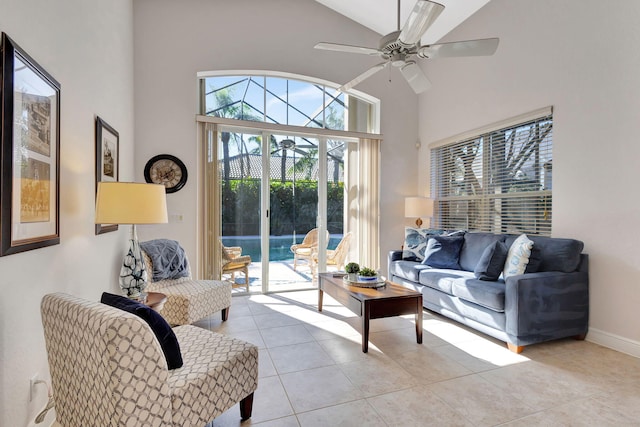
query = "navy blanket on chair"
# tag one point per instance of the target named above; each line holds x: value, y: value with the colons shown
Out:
x: 168, y: 258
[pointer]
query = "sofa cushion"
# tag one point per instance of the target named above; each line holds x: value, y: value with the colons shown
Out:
x: 409, y: 270
x: 518, y: 256
x: 415, y: 242
x: 163, y: 332
x: 491, y: 262
x: 473, y: 247
x: 443, y: 252
x: 443, y: 279
x: 557, y: 254
x: 486, y: 294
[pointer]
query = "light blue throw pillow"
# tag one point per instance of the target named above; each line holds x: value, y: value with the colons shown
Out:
x: 518, y: 256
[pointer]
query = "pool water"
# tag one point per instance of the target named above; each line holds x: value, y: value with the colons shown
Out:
x: 279, y: 246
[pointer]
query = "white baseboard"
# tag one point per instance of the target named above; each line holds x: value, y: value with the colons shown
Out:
x: 615, y: 342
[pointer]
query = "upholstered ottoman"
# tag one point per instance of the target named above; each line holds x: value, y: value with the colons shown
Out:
x: 190, y: 300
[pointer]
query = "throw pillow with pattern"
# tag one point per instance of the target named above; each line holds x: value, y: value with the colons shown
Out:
x: 518, y: 256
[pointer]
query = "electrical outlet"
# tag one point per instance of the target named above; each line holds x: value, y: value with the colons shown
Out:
x: 32, y: 386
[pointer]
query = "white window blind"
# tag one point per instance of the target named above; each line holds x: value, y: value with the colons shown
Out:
x: 498, y: 181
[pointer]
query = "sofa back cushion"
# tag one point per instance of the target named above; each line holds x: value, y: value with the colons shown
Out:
x: 443, y: 252
x: 555, y: 254
x: 473, y: 247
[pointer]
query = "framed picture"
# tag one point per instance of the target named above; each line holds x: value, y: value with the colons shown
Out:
x: 107, y: 163
x: 30, y: 153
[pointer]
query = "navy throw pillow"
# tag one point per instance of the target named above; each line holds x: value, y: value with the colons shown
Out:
x: 443, y: 252
x: 491, y: 262
x: 158, y: 324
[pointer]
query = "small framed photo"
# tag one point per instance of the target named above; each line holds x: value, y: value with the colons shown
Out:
x: 107, y: 163
x: 30, y: 153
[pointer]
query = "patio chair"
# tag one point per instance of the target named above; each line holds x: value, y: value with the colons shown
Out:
x: 335, y: 257
x: 233, y: 261
x: 306, y: 249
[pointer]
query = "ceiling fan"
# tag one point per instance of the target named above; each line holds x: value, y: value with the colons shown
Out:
x: 401, y: 48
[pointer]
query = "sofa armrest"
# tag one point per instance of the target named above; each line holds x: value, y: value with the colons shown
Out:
x: 395, y: 255
x: 547, y: 305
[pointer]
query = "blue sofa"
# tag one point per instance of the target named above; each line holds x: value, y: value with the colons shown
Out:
x: 549, y: 301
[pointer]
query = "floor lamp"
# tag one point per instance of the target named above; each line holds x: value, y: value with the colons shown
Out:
x: 131, y: 203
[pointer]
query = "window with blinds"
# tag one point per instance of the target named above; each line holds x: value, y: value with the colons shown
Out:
x: 499, y: 181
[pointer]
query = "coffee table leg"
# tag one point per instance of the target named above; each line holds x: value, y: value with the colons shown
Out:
x: 365, y: 328
x: 419, y: 321
x: 320, y: 294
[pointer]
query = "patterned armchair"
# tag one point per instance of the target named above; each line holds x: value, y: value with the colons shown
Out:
x: 190, y: 300
x: 108, y: 369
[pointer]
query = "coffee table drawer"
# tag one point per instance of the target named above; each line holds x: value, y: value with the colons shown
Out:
x: 346, y: 299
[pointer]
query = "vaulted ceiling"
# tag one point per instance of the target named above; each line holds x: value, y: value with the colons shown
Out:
x: 381, y: 16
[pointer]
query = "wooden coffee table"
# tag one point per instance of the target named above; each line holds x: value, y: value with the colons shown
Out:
x: 369, y: 303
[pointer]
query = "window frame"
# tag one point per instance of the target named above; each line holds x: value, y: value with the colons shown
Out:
x: 490, y: 206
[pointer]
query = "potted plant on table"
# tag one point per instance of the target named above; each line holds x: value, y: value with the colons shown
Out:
x: 352, y: 270
x: 367, y: 275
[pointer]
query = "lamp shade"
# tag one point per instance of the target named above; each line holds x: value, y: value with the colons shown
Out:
x: 131, y: 203
x: 418, y: 207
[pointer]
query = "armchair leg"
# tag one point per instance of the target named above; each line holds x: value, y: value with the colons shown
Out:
x: 246, y: 406
x: 225, y: 314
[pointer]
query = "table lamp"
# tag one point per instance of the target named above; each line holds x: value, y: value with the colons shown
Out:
x: 131, y: 203
x: 418, y: 207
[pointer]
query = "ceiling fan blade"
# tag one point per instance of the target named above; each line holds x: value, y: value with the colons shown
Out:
x: 480, y: 47
x: 362, y: 77
x: 420, y: 19
x: 347, y: 48
x: 415, y: 77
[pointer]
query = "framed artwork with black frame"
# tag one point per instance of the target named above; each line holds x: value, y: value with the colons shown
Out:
x: 30, y: 153
x: 107, y: 161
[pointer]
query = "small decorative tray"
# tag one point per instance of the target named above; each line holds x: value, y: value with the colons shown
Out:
x: 378, y: 283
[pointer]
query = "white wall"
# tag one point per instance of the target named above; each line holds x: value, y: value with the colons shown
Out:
x: 175, y: 40
x: 581, y: 57
x: 87, y: 46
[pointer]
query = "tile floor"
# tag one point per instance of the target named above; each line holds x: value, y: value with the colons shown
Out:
x: 313, y: 372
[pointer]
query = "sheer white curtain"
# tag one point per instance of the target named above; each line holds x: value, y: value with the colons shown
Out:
x: 368, y: 203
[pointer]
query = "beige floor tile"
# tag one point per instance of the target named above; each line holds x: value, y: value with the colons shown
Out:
x: 624, y: 399
x: 291, y: 421
x: 285, y: 335
x: 416, y: 407
x: 274, y: 320
x: 540, y: 385
x: 331, y: 329
x: 239, y: 310
x: 428, y: 366
x: 314, y: 372
x: 479, y: 401
x: 269, y: 403
x: 253, y: 336
x: 318, y: 388
x: 481, y: 355
x: 396, y: 341
x: 352, y: 414
x: 299, y: 357
x: 238, y: 324
x: 347, y: 349
x: 265, y: 365
x: 586, y: 412
x: 377, y: 374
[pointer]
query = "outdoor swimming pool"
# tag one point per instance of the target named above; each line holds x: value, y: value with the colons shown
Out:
x: 279, y: 246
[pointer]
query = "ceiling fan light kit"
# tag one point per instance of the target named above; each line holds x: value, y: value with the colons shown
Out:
x: 400, y: 47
